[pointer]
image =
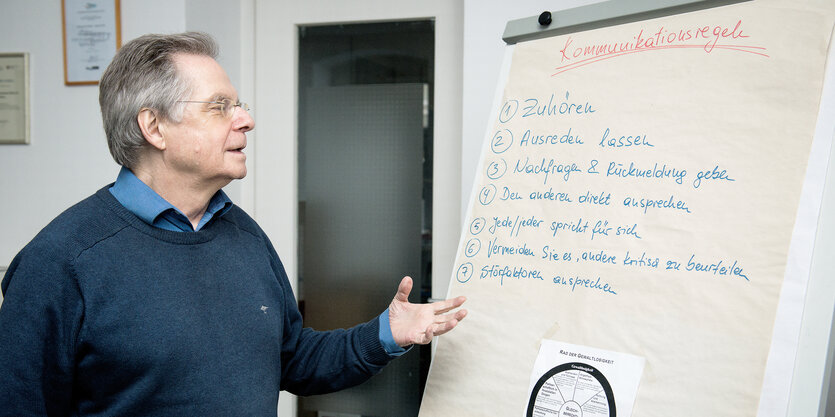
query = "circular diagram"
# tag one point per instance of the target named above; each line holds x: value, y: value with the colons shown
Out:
x: 572, y: 390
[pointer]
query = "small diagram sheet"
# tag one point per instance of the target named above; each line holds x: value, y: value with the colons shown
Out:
x: 579, y: 381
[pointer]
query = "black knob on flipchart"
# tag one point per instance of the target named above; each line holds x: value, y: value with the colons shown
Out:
x: 545, y: 18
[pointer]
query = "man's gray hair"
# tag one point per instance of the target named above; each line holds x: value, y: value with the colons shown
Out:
x: 143, y: 75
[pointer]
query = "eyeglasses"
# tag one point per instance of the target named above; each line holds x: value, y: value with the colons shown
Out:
x: 227, y: 106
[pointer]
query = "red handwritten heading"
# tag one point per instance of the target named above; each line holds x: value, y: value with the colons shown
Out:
x: 577, y: 56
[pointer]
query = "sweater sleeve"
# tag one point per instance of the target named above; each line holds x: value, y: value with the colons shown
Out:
x: 40, y: 318
x: 319, y: 362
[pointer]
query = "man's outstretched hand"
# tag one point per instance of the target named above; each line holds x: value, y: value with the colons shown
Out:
x: 417, y: 323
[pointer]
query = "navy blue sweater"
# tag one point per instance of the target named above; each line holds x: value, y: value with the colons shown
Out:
x: 105, y: 315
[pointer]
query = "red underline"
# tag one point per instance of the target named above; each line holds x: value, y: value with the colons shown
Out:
x: 584, y: 62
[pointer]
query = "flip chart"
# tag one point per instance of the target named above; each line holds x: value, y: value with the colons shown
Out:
x: 637, y: 192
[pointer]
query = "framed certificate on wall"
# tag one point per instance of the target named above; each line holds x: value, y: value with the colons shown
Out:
x: 92, y: 34
x: 14, y: 98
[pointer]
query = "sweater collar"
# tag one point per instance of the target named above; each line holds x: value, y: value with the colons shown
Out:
x: 145, y: 203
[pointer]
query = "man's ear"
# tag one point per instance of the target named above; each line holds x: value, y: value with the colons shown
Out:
x: 149, y: 124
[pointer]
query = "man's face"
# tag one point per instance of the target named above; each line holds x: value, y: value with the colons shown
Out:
x: 206, y: 146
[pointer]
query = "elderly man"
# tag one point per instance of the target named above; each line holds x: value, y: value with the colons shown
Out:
x: 157, y: 296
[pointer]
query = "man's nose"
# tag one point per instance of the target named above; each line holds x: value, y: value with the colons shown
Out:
x: 243, y: 120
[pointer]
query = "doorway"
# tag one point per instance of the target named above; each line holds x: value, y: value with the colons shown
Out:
x: 365, y: 155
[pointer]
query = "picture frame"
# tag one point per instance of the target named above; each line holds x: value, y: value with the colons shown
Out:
x: 14, y: 98
x: 91, y: 35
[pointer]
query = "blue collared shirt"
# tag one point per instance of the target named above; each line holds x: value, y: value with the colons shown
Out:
x: 149, y: 206
x: 145, y: 203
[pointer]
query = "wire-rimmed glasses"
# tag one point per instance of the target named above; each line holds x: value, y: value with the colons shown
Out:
x: 227, y: 106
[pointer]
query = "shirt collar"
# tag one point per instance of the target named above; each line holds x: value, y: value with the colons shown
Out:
x: 145, y: 203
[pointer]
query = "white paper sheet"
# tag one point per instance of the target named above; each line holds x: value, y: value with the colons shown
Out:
x: 580, y: 381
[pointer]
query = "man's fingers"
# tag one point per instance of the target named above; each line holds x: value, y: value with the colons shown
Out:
x: 441, y: 328
x: 442, y: 324
x: 428, y: 334
x: 442, y: 307
x: 448, y: 322
x: 403, y: 290
x: 460, y: 314
x: 409, y: 318
x: 457, y: 316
